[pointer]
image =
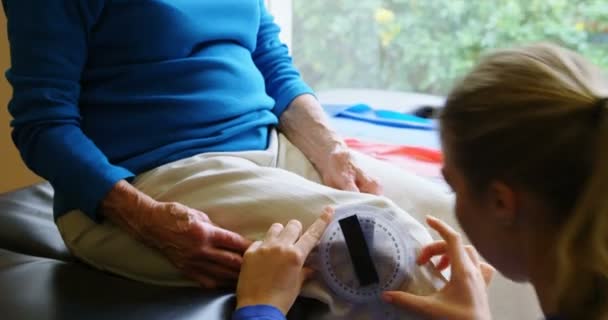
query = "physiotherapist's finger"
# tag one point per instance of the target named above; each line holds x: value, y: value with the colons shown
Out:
x: 455, y: 248
x: 487, y: 271
x: 254, y: 246
x: 313, y: 234
x: 273, y: 232
x: 431, y: 250
x: 473, y: 254
x: 291, y: 232
x: 422, y: 305
x: 308, y: 273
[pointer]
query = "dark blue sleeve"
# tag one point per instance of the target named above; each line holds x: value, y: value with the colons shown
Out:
x: 48, y: 44
x: 259, y: 312
x: 271, y: 56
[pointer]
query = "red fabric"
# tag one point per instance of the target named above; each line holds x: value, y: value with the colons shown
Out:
x: 423, y: 161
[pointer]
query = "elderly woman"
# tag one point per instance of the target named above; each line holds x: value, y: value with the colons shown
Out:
x: 175, y: 132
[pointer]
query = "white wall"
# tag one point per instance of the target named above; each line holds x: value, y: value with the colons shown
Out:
x: 13, y: 173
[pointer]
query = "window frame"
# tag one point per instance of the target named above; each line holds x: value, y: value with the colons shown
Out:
x: 282, y: 10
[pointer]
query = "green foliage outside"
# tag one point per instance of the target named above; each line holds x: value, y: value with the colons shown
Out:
x: 425, y: 45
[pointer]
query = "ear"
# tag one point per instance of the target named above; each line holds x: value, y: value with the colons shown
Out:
x: 503, y: 202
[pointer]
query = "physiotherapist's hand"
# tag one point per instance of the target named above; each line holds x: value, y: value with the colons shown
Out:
x: 341, y: 171
x: 204, y: 252
x: 464, y: 297
x: 273, y: 272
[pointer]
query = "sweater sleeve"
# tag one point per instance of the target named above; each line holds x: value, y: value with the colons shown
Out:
x: 258, y: 312
x: 283, y: 81
x: 48, y: 44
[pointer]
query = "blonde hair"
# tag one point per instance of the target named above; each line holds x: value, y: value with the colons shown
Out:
x: 536, y: 117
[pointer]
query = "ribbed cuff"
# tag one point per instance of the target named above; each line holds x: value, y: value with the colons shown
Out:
x: 258, y: 312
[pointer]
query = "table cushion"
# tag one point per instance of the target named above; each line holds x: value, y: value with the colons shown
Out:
x: 26, y: 223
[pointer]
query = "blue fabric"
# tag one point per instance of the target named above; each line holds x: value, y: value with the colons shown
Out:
x: 258, y: 312
x: 106, y: 89
x: 377, y: 133
x: 364, y: 112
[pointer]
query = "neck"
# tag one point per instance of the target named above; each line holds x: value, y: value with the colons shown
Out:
x: 542, y: 271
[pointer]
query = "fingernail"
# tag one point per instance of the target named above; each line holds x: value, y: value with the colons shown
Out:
x: 387, y: 297
x: 328, y: 213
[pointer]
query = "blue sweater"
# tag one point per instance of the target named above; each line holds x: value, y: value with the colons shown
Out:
x: 107, y: 89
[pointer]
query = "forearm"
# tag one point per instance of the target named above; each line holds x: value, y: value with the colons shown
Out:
x: 305, y: 124
x: 125, y: 206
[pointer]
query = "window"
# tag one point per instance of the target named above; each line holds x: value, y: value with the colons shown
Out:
x: 424, y: 45
x: 282, y: 11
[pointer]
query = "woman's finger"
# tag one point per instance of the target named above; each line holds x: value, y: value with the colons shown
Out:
x: 291, y: 232
x: 431, y: 250
x: 347, y: 183
x: 204, y: 281
x: 273, y: 232
x: 367, y: 184
x: 225, y: 258
x: 196, y: 213
x: 227, y: 239
x: 213, y: 270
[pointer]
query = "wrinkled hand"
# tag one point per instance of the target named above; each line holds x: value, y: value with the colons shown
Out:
x: 340, y: 171
x: 465, y: 296
x: 273, y: 272
x: 204, y: 252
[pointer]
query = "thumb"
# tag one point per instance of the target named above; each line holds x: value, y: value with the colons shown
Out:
x: 422, y: 305
x: 307, y: 273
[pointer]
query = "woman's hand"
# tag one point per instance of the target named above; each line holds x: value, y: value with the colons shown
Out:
x: 340, y: 171
x: 272, y: 272
x: 201, y: 250
x: 306, y: 125
x: 464, y: 297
